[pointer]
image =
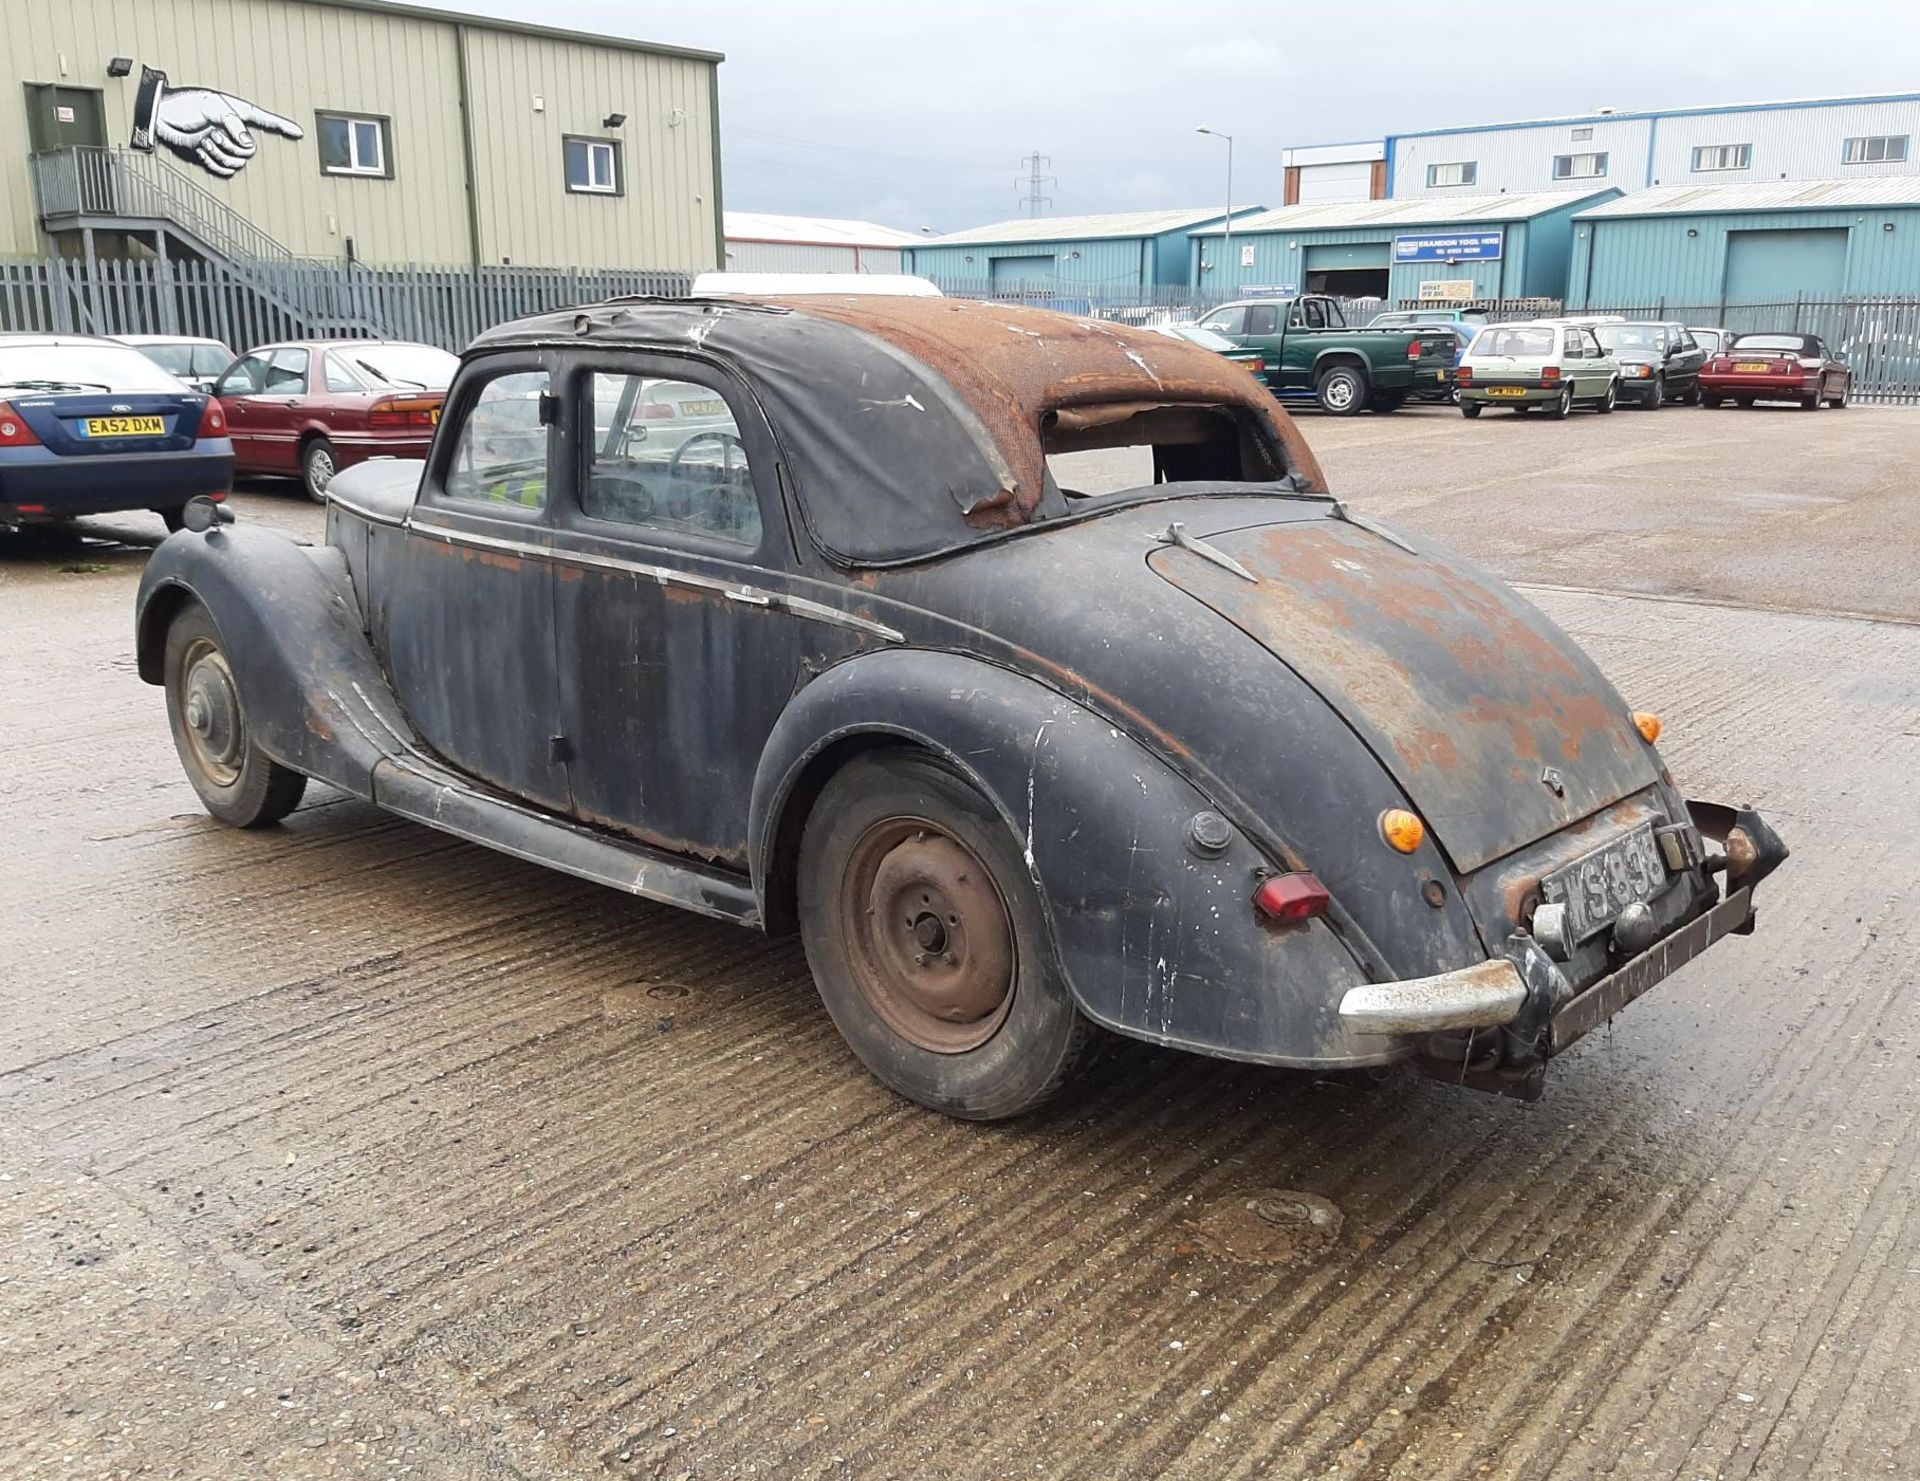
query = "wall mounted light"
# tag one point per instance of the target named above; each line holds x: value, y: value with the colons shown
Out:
x: 613, y: 120
x: 1886, y: 226
x: 1693, y: 231
x: 120, y: 67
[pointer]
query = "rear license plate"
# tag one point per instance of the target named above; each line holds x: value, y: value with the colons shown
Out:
x: 1596, y: 887
x: 126, y: 427
x: 1752, y: 367
x: 702, y: 408
x: 1506, y: 390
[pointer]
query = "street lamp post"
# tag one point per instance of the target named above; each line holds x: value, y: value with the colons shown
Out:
x: 1226, y: 240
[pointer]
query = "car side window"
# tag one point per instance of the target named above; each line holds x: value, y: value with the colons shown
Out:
x: 286, y: 373
x: 338, y: 377
x: 1574, y: 348
x: 1591, y: 345
x: 244, y: 377
x: 501, y: 456
x: 1316, y: 313
x: 1262, y: 319
x: 667, y: 455
x: 1226, y: 321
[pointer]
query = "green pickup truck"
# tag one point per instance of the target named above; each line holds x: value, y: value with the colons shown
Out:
x: 1312, y: 355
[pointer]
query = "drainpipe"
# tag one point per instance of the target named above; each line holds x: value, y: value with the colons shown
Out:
x: 719, y: 202
x: 466, y: 144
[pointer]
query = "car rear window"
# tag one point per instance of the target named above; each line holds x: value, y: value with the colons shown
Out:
x: 402, y: 367
x: 81, y: 367
x: 1514, y: 342
x: 1791, y: 344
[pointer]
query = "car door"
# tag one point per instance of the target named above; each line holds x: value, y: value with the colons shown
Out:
x: 463, y: 607
x: 272, y: 413
x: 236, y: 389
x: 678, y: 649
x: 1684, y: 363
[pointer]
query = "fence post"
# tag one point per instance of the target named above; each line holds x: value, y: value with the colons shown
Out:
x: 1798, y: 299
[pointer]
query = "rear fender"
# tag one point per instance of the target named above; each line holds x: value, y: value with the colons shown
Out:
x: 1156, y: 940
x: 315, y: 697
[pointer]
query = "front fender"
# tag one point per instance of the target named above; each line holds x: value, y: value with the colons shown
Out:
x: 1155, y: 940
x: 315, y: 697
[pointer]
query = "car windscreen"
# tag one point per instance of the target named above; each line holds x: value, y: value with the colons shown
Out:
x: 1777, y: 344
x: 189, y: 357
x: 81, y: 367
x: 1195, y: 334
x: 1631, y: 336
x: 401, y: 367
x: 1514, y: 342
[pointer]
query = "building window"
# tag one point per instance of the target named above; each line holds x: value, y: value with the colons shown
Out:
x: 353, y: 144
x: 1580, y: 136
x: 1722, y: 157
x: 1579, y: 166
x: 1877, y: 149
x: 1456, y: 174
x: 593, y: 166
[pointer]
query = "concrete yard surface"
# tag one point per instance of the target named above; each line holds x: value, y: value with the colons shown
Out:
x: 346, y: 1149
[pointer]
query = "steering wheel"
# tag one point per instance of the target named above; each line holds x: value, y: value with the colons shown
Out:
x: 622, y: 492
x: 728, y: 442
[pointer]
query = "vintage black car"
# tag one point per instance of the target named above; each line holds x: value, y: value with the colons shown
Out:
x: 776, y: 612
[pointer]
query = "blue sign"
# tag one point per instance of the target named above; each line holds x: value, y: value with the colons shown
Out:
x: 1271, y: 290
x: 1449, y: 246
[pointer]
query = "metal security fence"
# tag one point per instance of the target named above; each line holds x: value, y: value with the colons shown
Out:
x: 249, y: 303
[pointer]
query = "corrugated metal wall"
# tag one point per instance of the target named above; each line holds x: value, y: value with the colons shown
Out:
x: 1793, y: 142
x: 1115, y: 261
x: 1280, y: 258
x: 295, y: 58
x: 1653, y: 258
x: 808, y: 257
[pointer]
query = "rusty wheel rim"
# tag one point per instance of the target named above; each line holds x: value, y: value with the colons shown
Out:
x: 210, y: 713
x: 930, y: 940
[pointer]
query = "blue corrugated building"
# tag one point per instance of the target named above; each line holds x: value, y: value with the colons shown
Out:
x: 1468, y: 248
x: 1704, y: 246
x: 1112, y: 256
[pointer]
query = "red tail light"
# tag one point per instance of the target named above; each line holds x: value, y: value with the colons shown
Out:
x: 1550, y: 374
x: 1257, y: 367
x: 1416, y: 350
x: 1464, y: 375
x: 1291, y: 897
x: 1720, y: 362
x: 14, y: 431
x: 656, y: 411
x: 213, y: 421
x: 401, y: 414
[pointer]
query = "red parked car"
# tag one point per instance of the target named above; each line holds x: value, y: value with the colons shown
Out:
x: 1777, y: 367
x: 308, y: 408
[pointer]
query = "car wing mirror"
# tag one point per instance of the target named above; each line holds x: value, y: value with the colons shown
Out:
x: 202, y: 514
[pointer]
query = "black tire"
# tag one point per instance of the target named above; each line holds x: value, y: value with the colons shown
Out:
x: 897, y: 831
x: 1691, y: 396
x: 1563, y: 408
x: 317, y: 467
x: 1659, y: 397
x: 1710, y: 401
x: 1841, y: 402
x: 174, y: 517
x: 1606, y: 403
x: 1342, y: 390
x: 1812, y: 403
x: 1469, y: 409
x: 238, y: 783
x: 1384, y: 401
x: 1745, y: 403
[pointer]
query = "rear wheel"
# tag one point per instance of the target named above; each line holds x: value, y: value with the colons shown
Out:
x: 1710, y: 401
x: 317, y: 468
x: 1610, y: 400
x: 238, y: 783
x: 1691, y: 396
x: 1812, y: 403
x: 1469, y: 409
x: 1389, y: 400
x: 928, y: 944
x: 1839, y: 403
x: 1563, y: 407
x: 174, y: 517
x: 1745, y: 403
x: 1342, y: 390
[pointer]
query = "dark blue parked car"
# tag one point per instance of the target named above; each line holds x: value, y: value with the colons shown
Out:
x: 90, y: 426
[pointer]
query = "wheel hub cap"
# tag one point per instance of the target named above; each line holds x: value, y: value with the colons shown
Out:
x: 932, y: 942
x: 211, y: 708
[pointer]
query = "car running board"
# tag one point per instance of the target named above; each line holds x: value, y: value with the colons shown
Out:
x: 413, y: 788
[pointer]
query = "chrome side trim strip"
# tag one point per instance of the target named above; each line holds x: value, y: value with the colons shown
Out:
x: 369, y: 515
x: 750, y: 595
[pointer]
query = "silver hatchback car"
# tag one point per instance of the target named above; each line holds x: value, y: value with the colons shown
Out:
x: 1554, y: 365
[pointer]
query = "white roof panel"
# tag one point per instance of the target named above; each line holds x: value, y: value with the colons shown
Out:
x: 1763, y: 195
x: 1424, y: 210
x: 814, y: 231
x: 1079, y: 228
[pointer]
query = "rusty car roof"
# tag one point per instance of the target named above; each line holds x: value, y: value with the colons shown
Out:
x: 944, y: 372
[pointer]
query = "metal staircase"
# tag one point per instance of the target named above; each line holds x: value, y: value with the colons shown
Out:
x: 116, y: 189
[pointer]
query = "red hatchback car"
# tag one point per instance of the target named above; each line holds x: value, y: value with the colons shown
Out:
x: 1776, y: 367
x: 308, y: 408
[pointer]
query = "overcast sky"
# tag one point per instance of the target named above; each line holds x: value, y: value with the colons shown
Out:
x: 918, y: 114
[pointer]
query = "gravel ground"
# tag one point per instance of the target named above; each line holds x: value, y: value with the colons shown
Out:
x: 348, y: 1149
